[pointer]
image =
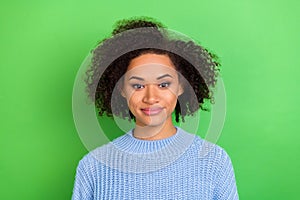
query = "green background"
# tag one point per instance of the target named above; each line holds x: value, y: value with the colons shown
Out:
x: 43, y: 44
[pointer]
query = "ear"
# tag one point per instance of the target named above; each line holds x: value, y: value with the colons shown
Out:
x: 180, y: 90
x: 123, y: 94
x: 121, y: 91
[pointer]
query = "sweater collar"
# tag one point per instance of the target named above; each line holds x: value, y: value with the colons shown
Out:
x: 129, y: 154
x: 130, y: 144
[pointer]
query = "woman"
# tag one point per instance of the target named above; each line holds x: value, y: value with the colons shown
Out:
x: 151, y: 75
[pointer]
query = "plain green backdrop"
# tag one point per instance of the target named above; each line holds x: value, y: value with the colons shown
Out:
x: 43, y: 44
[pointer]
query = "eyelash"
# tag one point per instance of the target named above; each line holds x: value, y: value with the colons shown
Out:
x: 137, y: 86
x: 162, y: 85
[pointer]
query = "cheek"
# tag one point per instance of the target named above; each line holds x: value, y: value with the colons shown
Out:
x: 171, y: 98
x: 170, y: 102
x: 129, y: 94
x: 133, y: 100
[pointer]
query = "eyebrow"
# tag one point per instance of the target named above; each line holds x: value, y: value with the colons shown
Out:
x: 158, y: 78
x: 163, y: 76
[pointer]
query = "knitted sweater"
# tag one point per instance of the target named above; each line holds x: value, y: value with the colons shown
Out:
x: 183, y: 166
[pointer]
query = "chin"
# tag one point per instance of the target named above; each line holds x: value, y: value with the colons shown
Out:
x: 151, y: 123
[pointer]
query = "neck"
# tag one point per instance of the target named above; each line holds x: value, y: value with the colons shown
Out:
x: 163, y: 131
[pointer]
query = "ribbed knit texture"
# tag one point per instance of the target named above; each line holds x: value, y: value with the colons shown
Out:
x: 183, y: 166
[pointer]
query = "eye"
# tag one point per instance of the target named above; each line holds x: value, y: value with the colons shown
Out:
x: 164, y: 85
x: 138, y: 86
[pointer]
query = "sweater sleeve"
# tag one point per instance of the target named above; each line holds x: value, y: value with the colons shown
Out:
x: 83, y: 186
x: 225, y: 185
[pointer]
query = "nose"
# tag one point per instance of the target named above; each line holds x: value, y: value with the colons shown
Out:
x: 151, y: 95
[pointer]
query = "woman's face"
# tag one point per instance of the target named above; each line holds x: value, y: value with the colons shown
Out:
x: 151, y: 88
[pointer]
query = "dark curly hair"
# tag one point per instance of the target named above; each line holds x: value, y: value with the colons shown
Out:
x: 134, y: 37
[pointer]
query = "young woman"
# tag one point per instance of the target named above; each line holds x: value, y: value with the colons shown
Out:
x: 145, y: 74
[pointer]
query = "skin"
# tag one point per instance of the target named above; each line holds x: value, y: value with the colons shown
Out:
x: 151, y: 88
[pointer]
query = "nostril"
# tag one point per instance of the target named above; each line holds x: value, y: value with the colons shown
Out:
x: 151, y: 94
x: 150, y: 100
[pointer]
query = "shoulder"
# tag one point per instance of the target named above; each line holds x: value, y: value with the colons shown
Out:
x: 209, y: 151
x: 100, y: 154
x: 218, y: 159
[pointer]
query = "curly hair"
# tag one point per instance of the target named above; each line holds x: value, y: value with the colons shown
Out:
x: 137, y: 36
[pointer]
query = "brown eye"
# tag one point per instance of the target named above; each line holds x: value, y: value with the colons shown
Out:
x: 164, y: 85
x: 138, y: 86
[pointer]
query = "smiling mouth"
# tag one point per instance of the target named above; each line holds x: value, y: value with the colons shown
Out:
x: 151, y: 111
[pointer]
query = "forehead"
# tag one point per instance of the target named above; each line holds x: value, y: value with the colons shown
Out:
x: 151, y: 58
x: 151, y: 66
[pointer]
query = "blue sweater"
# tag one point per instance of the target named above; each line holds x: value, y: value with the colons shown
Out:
x: 183, y: 166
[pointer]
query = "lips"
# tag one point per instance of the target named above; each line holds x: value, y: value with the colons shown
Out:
x: 152, y: 111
